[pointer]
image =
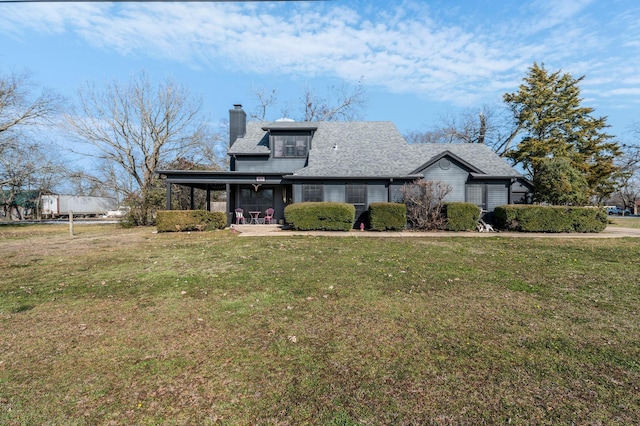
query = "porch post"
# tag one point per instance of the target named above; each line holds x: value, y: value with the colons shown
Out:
x: 228, y: 209
x: 168, y: 185
x: 208, y: 208
x: 192, y: 201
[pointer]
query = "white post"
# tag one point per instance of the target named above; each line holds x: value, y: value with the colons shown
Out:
x: 70, y: 223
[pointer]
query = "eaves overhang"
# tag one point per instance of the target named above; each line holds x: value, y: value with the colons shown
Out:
x: 478, y: 176
x: 263, y: 153
x: 351, y: 177
x: 193, y: 177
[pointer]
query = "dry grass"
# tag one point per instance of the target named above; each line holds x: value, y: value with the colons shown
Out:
x: 627, y: 222
x: 128, y: 327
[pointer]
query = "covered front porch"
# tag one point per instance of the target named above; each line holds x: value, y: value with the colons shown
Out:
x: 247, y: 191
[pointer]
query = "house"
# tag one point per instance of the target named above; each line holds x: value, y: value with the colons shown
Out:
x: 278, y: 163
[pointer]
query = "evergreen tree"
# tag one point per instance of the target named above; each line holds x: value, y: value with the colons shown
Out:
x: 558, y: 182
x: 547, y: 108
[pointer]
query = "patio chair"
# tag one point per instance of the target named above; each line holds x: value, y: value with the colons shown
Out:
x: 239, y: 216
x: 268, y: 216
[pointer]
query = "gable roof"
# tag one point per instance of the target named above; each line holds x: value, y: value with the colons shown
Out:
x: 479, y: 157
x: 254, y: 141
x: 369, y: 149
x: 449, y: 155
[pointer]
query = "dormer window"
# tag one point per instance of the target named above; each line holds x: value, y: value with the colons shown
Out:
x: 288, y: 139
x: 290, y: 145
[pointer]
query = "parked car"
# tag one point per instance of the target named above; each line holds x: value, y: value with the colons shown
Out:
x: 611, y: 210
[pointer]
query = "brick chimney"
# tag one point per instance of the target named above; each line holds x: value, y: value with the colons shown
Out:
x: 237, y: 123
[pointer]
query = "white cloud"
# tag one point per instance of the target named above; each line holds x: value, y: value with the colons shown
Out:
x: 626, y: 91
x: 408, y: 48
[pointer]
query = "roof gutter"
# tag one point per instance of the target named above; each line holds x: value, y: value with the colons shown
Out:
x: 493, y: 177
x: 383, y: 177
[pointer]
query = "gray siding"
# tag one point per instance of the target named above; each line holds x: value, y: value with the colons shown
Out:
x: 297, y: 193
x: 455, y: 176
x: 268, y: 165
x: 519, y: 187
x: 497, y: 195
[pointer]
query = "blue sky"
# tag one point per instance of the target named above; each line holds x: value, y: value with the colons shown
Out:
x: 419, y: 60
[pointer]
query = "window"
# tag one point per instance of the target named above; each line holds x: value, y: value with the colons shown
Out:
x: 312, y: 193
x: 356, y: 194
x: 290, y: 146
x: 488, y: 196
x: 476, y: 195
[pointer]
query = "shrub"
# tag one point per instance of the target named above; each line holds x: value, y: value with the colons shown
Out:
x: 142, y: 206
x: 461, y: 216
x: 589, y: 219
x: 550, y: 218
x: 387, y: 216
x: 424, y: 200
x: 189, y: 220
x: 320, y: 216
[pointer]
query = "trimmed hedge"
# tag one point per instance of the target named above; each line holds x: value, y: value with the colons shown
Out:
x: 461, y: 216
x: 527, y: 218
x: 320, y: 216
x: 189, y: 220
x: 387, y: 216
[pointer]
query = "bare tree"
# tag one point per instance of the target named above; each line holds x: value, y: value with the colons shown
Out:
x: 430, y: 136
x: 340, y: 103
x: 25, y: 164
x: 344, y: 103
x: 424, y: 200
x: 488, y: 125
x: 27, y: 168
x: 265, y: 99
x: 629, y: 181
x: 84, y: 183
x: 20, y: 110
x: 213, y: 154
x: 131, y: 129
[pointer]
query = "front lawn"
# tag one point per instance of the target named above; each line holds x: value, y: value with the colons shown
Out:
x: 627, y: 222
x: 122, y: 327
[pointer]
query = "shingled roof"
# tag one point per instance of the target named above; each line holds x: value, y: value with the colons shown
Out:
x: 368, y: 149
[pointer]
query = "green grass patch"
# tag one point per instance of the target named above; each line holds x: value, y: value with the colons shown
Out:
x: 625, y: 222
x: 118, y: 326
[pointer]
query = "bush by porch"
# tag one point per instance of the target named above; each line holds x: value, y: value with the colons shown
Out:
x: 189, y: 220
x: 320, y: 216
